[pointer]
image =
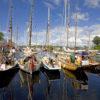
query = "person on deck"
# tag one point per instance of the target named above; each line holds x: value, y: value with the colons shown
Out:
x: 72, y: 57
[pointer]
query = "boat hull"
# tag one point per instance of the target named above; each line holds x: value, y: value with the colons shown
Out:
x: 78, y: 74
x: 4, y: 73
x: 90, y: 66
x: 69, y: 67
x: 49, y: 68
x: 7, y: 76
x: 25, y: 68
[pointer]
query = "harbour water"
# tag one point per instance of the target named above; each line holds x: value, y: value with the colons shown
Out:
x: 47, y: 86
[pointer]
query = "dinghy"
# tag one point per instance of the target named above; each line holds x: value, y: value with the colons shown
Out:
x: 50, y: 62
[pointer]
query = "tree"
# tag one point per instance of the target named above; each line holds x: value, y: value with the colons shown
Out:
x: 96, y: 40
x: 1, y: 36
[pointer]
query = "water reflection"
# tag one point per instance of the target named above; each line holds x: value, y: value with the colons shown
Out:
x: 27, y: 80
x: 52, y: 88
x: 78, y: 74
x: 63, y: 85
x: 78, y: 78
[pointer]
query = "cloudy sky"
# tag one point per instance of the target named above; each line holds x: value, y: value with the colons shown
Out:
x: 88, y: 12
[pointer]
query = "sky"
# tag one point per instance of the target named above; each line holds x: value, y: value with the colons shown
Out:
x: 88, y: 12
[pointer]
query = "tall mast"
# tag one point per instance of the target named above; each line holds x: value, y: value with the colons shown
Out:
x: 36, y: 37
x: 68, y: 20
x: 76, y: 23
x: 30, y: 26
x: 48, y: 29
x: 65, y: 16
x: 17, y: 34
x: 75, y: 29
x: 89, y: 41
x: 10, y: 22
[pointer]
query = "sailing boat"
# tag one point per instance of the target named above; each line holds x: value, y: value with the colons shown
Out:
x: 29, y: 63
x: 49, y: 59
x: 65, y: 58
x: 7, y: 62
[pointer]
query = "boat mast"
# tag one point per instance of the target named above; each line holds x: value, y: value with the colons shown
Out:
x: 10, y: 23
x: 48, y: 29
x: 75, y: 29
x: 17, y: 34
x: 68, y: 20
x: 89, y: 41
x: 30, y: 26
x: 36, y: 38
x: 65, y: 15
x: 76, y: 23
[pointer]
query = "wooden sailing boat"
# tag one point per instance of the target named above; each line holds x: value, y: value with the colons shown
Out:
x: 7, y: 62
x: 65, y: 60
x: 49, y: 60
x: 30, y: 62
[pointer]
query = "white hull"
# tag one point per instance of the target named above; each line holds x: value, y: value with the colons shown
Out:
x: 4, y: 67
x: 50, y: 66
x: 25, y: 68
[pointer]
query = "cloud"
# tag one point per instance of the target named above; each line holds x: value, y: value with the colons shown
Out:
x: 48, y: 4
x: 81, y: 16
x: 98, y: 19
x: 92, y: 3
x: 58, y: 35
x: 52, y: 3
x: 56, y: 2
